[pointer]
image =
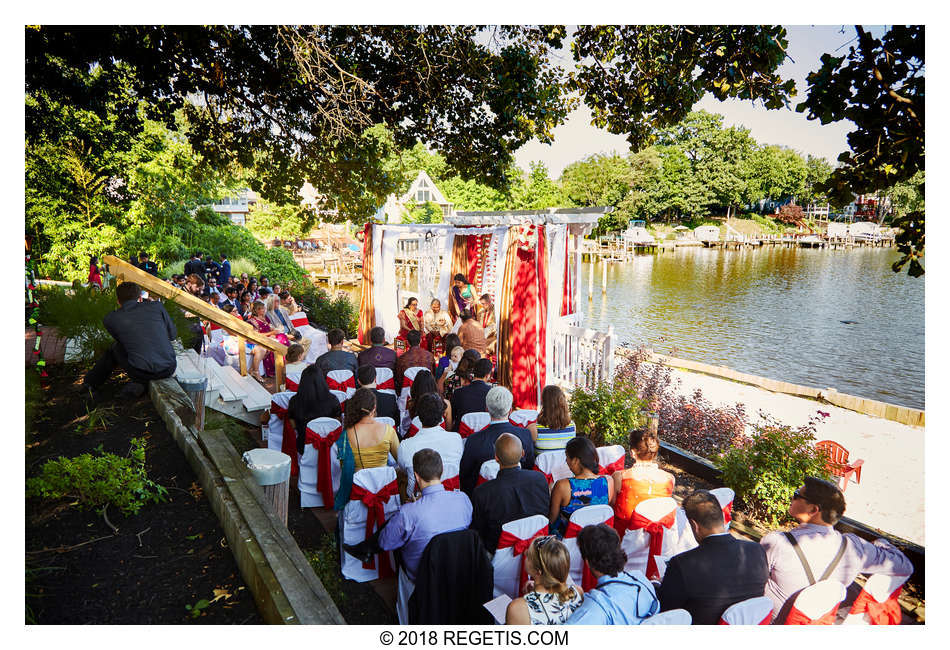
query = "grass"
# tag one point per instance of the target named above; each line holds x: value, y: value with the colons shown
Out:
x: 241, y: 435
x: 325, y: 560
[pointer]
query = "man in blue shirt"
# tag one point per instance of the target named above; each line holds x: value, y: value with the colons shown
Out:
x: 225, y: 273
x: 437, y: 511
x: 620, y: 597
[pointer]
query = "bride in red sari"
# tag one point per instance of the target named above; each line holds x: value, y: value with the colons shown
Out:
x: 410, y: 318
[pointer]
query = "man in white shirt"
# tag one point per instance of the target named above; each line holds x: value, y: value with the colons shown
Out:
x: 431, y: 436
x: 817, y: 506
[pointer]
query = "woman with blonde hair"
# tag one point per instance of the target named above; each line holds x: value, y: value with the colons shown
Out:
x: 555, y: 428
x: 549, y: 600
x: 644, y: 480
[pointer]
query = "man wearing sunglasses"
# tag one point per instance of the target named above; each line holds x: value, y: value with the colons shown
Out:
x: 815, y: 551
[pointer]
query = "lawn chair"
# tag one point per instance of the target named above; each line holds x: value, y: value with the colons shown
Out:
x: 838, y: 462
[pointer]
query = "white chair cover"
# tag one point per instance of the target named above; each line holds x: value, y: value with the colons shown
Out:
x: 681, y: 537
x: 586, y: 516
x: 878, y: 588
x: 275, y: 426
x: 752, y: 611
x: 725, y: 496
x: 523, y: 417
x: 450, y: 476
x: 670, y: 617
x: 338, y: 379
x: 293, y: 381
x: 508, y: 565
x: 403, y: 398
x: 386, y: 420
x: 373, y: 479
x: 611, y: 459
x: 488, y: 471
x: 384, y: 381
x: 553, y: 464
x: 340, y: 396
x: 310, y: 496
x: 815, y: 602
x: 416, y: 424
x: 473, y: 423
x: 636, y: 542
x: 317, y: 337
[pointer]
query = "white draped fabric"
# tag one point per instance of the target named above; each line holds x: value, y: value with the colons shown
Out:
x: 556, y: 238
x: 385, y: 297
x: 445, y: 273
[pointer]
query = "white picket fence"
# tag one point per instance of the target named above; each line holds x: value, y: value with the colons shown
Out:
x: 581, y: 357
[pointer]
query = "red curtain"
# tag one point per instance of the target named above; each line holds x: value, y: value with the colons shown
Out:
x: 529, y: 324
x: 367, y: 308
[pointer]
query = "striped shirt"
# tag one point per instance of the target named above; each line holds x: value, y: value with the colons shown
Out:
x: 554, y: 439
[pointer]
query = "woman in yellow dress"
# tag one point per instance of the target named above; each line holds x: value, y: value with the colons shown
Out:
x: 371, y: 441
x: 644, y: 480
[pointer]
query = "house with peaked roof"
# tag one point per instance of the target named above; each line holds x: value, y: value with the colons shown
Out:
x: 422, y: 190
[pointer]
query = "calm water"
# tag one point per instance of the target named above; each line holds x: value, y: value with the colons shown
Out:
x: 776, y: 313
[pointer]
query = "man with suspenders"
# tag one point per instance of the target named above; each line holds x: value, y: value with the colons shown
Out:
x: 815, y: 551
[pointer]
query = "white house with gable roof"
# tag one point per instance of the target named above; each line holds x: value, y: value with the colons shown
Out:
x: 422, y: 190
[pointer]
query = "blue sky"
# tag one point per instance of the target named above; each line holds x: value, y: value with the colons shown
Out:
x: 577, y: 138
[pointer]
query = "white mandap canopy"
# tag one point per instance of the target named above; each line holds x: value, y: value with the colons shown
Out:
x: 528, y: 261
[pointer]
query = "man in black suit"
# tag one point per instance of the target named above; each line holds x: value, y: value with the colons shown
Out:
x: 385, y: 402
x: 378, y: 355
x: 195, y: 265
x: 513, y: 494
x: 718, y: 573
x: 471, y: 398
x: 146, y: 265
x: 480, y: 446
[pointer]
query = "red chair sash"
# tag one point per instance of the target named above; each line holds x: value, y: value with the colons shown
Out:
x: 406, y: 381
x: 549, y: 477
x: 588, y: 581
x: 518, y: 546
x: 215, y: 326
x: 389, y: 383
x: 886, y: 613
x: 322, y: 445
x: 655, y: 529
x: 765, y: 621
x: 616, y: 466
x: 451, y: 483
x: 299, y: 322
x: 796, y: 617
x: 524, y: 424
x: 727, y: 512
x: 341, y: 386
x: 481, y: 479
x: 464, y: 430
x: 292, y: 385
x: 375, y: 517
x: 288, y: 443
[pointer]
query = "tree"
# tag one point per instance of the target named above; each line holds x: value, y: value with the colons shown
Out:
x: 817, y: 172
x: 539, y: 192
x: 597, y: 180
x: 427, y: 212
x: 878, y: 85
x: 269, y: 221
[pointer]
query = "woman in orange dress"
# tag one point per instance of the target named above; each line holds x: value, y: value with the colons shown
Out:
x: 645, y: 480
x: 410, y: 318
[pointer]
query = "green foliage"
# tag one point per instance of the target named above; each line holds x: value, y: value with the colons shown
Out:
x: 33, y: 398
x: 269, y: 221
x: 279, y: 265
x: 597, y: 180
x: 427, y: 212
x: 908, y: 196
x: 765, y: 468
x: 327, y: 312
x: 197, y: 610
x: 78, y: 315
x: 99, y: 481
x: 325, y: 561
x: 768, y: 224
x: 879, y: 86
x: 607, y: 412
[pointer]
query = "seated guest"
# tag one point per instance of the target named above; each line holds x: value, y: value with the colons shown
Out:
x: 480, y: 446
x: 513, y: 494
x: 472, y: 334
x: 463, y: 375
x: 436, y: 325
x: 817, y: 506
x: 194, y: 284
x: 552, y: 600
x: 448, y: 370
x: 720, y: 572
x: 385, y: 402
x: 312, y: 400
x: 450, y: 341
x: 471, y: 398
x: 437, y: 511
x: 228, y: 297
x: 146, y: 265
x: 336, y: 358
x: 415, y: 356
x: 377, y: 355
x: 586, y: 488
x: 424, y: 384
x: 143, y: 332
x: 620, y: 597
x: 286, y: 300
x: 259, y: 353
x: 252, y: 289
x: 429, y: 408
x: 279, y: 319
x: 410, y: 319
x: 371, y: 442
x: 645, y: 480
x: 244, y: 304
x: 555, y: 427
x: 294, y: 359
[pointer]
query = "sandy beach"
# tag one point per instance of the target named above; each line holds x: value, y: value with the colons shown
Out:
x: 891, y: 493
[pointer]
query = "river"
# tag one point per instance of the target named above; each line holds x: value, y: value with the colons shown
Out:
x: 774, y: 312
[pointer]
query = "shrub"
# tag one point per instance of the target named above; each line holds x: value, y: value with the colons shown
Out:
x: 607, y: 412
x: 278, y: 265
x: 327, y: 312
x: 99, y: 481
x: 78, y: 316
x: 765, y: 468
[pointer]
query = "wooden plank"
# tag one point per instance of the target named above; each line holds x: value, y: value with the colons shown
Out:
x: 233, y: 381
x: 258, y: 397
x: 204, y: 366
x: 185, y: 367
x: 242, y: 355
x: 223, y: 390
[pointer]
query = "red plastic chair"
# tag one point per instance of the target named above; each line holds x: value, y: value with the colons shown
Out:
x: 838, y: 462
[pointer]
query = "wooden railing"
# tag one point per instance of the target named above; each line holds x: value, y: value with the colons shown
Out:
x: 125, y: 272
x: 580, y: 357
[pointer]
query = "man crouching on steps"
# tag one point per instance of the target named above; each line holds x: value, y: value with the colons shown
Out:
x: 143, y: 332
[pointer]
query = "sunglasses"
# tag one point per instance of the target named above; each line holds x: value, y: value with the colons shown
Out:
x: 539, y: 543
x: 799, y: 495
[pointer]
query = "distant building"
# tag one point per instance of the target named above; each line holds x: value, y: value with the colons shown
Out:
x: 236, y: 206
x: 422, y: 190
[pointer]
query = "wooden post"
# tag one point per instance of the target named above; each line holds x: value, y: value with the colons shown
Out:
x: 242, y: 355
x: 279, y: 496
x: 603, y: 288
x: 590, y: 279
x: 279, y: 371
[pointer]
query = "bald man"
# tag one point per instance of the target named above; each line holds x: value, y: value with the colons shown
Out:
x: 513, y: 494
